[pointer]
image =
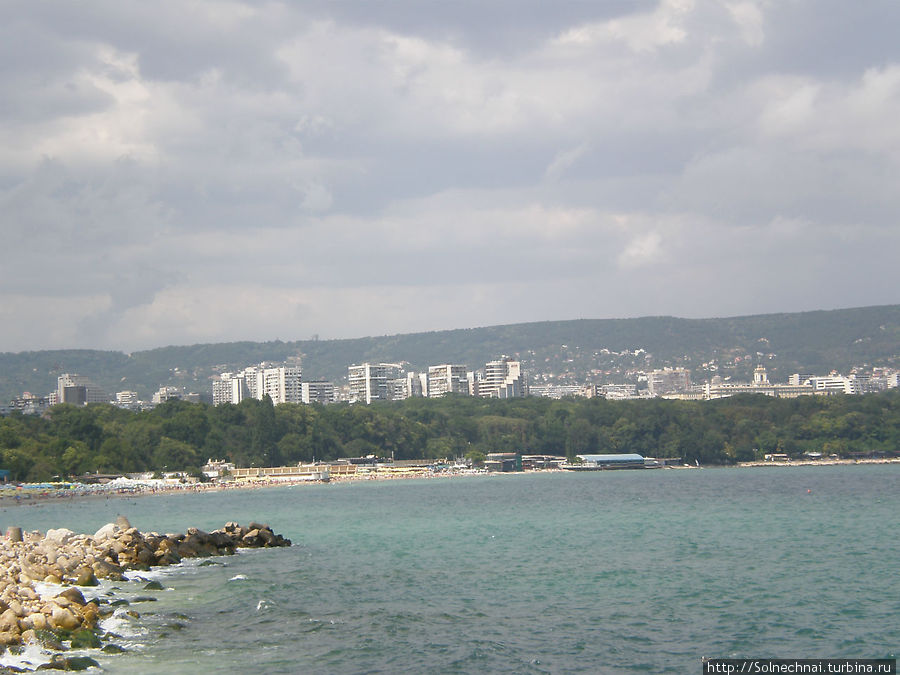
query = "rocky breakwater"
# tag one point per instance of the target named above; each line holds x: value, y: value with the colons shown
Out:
x: 33, y: 562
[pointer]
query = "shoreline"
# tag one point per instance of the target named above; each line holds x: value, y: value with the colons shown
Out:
x: 16, y: 497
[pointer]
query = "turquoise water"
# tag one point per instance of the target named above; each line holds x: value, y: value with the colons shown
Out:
x: 611, y: 572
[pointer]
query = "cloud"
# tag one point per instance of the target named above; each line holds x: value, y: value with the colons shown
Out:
x: 347, y: 168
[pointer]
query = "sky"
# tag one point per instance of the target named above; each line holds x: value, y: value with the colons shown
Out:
x: 189, y: 171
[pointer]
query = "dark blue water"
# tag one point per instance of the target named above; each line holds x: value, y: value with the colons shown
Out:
x: 612, y: 572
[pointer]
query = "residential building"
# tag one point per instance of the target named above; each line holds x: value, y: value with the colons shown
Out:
x: 503, y: 378
x: 669, y: 381
x: 282, y: 384
x: 128, y: 399
x: 447, y: 379
x: 417, y: 384
x: 317, y: 391
x: 166, y: 393
x: 81, y: 390
x: 372, y: 382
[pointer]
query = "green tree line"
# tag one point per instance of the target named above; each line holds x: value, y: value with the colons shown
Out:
x: 177, y: 435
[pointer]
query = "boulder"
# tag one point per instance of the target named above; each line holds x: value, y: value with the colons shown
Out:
x: 73, y: 595
x: 64, y: 618
x: 108, y: 531
x: 59, y: 536
x: 74, y: 663
x: 85, y: 576
x: 85, y: 639
x: 9, y: 622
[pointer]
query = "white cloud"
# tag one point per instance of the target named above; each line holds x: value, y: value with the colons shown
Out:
x: 347, y: 167
x: 643, y: 250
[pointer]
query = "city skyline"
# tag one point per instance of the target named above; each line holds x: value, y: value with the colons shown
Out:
x: 259, y: 171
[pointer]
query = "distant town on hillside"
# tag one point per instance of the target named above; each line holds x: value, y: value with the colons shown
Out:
x: 848, y: 351
x: 502, y: 378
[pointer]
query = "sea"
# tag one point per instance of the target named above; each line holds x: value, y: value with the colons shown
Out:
x: 587, y: 572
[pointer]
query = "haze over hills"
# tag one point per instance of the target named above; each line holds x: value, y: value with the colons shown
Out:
x: 572, y: 352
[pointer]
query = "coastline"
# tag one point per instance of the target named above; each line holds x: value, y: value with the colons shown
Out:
x: 12, y: 496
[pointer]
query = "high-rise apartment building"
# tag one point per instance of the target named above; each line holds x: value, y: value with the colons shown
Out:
x: 503, y: 378
x: 372, y: 382
x: 283, y: 384
x: 318, y: 391
x: 78, y: 389
x: 447, y: 379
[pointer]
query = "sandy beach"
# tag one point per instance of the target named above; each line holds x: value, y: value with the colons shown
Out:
x: 25, y: 496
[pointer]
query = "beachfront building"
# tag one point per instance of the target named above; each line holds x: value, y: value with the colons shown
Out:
x: 447, y: 379
x: 372, y: 382
x: 503, y: 378
x: 619, y: 461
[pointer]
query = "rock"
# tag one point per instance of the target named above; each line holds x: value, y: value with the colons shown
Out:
x: 85, y: 639
x: 47, y: 639
x: 70, y: 663
x: 153, y: 585
x: 107, y: 570
x: 38, y: 621
x: 52, y: 579
x: 14, y: 533
x: 108, y: 531
x: 113, y: 649
x: 85, y: 577
x: 73, y: 595
x: 60, y: 536
x: 64, y: 618
x: 122, y: 522
x: 9, y: 638
x: 9, y: 622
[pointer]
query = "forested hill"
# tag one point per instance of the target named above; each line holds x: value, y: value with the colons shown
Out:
x: 814, y: 342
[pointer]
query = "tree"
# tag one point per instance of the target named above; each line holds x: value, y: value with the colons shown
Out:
x: 174, y: 455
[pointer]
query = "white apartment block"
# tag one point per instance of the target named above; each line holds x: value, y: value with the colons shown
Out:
x: 503, y: 378
x: 317, y: 391
x: 834, y: 384
x: 164, y: 394
x: 372, y: 382
x: 283, y: 384
x: 447, y: 379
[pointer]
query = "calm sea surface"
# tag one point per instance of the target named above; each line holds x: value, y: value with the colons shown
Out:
x: 608, y: 572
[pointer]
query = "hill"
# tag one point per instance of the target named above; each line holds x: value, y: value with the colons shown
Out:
x: 560, y: 351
